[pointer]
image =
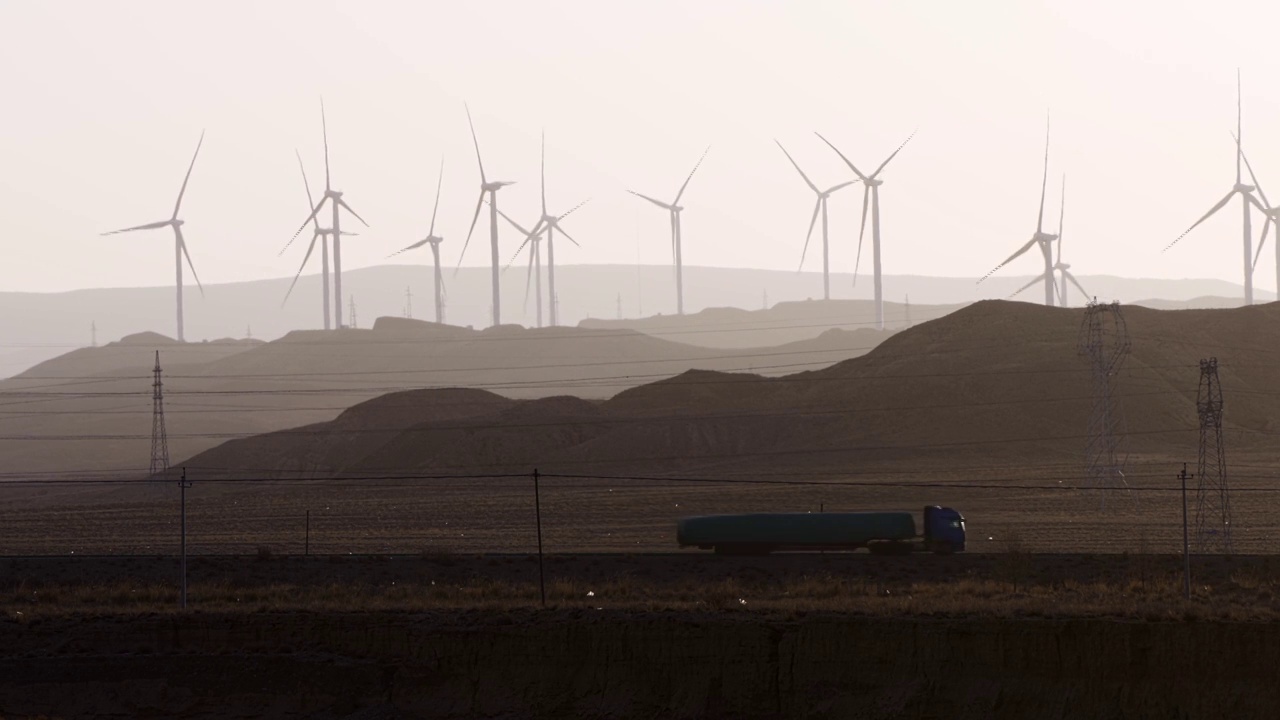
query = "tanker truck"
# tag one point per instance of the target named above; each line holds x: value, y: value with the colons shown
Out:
x: 882, y: 533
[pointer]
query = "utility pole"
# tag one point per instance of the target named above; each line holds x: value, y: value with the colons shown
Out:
x: 183, y: 484
x: 906, y: 309
x: 248, y: 332
x: 159, y: 438
x: 1186, y: 545
x: 1104, y: 344
x: 537, y: 514
x: 1213, y: 505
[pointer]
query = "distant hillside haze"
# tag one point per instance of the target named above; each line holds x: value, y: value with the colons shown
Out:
x: 39, y: 326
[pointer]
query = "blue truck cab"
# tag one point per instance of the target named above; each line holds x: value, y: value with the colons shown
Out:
x: 944, y: 530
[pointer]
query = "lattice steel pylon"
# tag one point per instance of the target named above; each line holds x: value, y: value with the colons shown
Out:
x: 1213, y: 506
x: 1104, y: 344
x: 159, y: 439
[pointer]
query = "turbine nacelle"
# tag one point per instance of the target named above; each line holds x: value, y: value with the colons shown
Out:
x: 495, y: 185
x: 873, y: 182
x: 177, y: 223
x: 1243, y: 188
x: 1044, y: 237
x: 335, y: 194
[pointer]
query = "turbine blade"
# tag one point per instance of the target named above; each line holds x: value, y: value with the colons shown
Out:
x: 528, y: 280
x: 1044, y: 184
x: 1254, y: 178
x: 1038, y: 279
x: 1239, y: 127
x: 567, y: 236
x: 1075, y: 282
x: 691, y: 172
x: 812, y: 221
x: 807, y: 181
x: 544, y: 187
x: 1212, y: 210
x: 895, y: 154
x: 190, y: 167
x: 659, y: 203
x: 474, y: 218
x: 344, y: 204
x: 183, y: 244
x: 841, y: 186
x: 310, y: 203
x: 476, y: 141
x: 855, y: 170
x: 310, y: 218
x: 866, y: 202
x: 1062, y: 212
x: 571, y: 210
x: 324, y: 129
x: 1265, y: 227
x: 298, y: 274
x: 436, y: 209
x: 1030, y: 243
x: 537, y: 228
x: 148, y: 226
x: 414, y: 246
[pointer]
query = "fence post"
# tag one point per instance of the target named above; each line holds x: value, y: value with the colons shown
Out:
x: 537, y: 513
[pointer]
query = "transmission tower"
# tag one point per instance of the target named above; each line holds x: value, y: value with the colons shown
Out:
x: 93, y: 333
x: 408, y: 303
x: 1104, y: 344
x: 351, y: 311
x: 1213, y: 506
x: 159, y: 439
x: 906, y: 310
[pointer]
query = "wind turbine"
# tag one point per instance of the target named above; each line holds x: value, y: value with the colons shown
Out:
x: 550, y: 224
x: 179, y: 244
x: 434, y: 240
x: 871, y: 197
x: 1246, y: 199
x: 1041, y: 238
x: 492, y: 189
x: 675, y: 209
x: 819, y: 206
x: 1060, y: 273
x: 535, y: 260
x: 319, y: 233
x: 1273, y: 215
x: 334, y: 198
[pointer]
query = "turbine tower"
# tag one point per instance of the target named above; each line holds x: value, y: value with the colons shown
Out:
x: 434, y: 241
x: 492, y: 189
x: 819, y: 206
x: 336, y: 203
x: 1246, y: 199
x: 179, y: 244
x: 1040, y: 237
x: 675, y: 209
x: 1060, y: 273
x: 318, y: 233
x: 871, y: 197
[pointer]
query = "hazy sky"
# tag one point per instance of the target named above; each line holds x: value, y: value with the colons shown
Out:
x: 103, y: 103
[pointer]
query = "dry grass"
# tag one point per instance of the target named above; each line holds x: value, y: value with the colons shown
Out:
x: 1246, y: 596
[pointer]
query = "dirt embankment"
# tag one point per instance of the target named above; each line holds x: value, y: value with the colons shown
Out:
x: 583, y: 663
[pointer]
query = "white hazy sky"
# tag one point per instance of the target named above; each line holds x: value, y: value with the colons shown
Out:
x: 101, y: 104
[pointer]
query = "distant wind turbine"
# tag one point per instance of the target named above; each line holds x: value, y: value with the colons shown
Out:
x: 1060, y: 273
x: 334, y: 198
x: 675, y: 209
x: 532, y: 240
x: 318, y: 233
x: 179, y: 244
x: 871, y: 197
x: 434, y: 240
x: 492, y: 189
x: 1273, y: 215
x: 1246, y: 199
x: 819, y: 206
x: 549, y: 224
x: 1040, y: 237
